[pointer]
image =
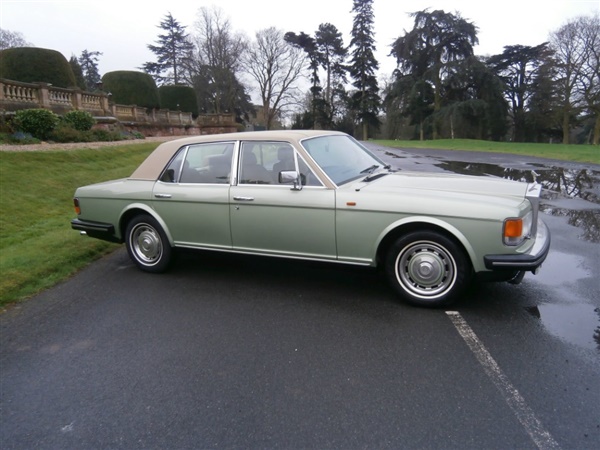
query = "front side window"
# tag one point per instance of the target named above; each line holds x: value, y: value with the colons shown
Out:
x: 262, y: 163
x: 256, y: 163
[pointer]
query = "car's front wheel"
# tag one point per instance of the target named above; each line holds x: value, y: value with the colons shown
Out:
x: 147, y: 244
x: 427, y: 268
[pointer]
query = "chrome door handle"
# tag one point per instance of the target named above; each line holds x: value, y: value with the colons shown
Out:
x: 162, y: 195
x: 244, y: 199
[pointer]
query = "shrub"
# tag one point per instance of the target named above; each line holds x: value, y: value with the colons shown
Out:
x: 178, y: 98
x: 19, y: 138
x: 31, y: 65
x: 131, y: 88
x: 105, y: 135
x: 79, y: 120
x: 37, y: 122
x: 64, y: 132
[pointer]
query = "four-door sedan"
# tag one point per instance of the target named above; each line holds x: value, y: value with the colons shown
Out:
x: 319, y: 195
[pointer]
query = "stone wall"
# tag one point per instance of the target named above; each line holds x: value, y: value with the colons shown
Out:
x: 15, y: 96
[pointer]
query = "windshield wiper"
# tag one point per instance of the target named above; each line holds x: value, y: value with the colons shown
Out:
x: 370, y: 169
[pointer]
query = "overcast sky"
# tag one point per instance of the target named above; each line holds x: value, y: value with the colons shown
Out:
x: 121, y: 30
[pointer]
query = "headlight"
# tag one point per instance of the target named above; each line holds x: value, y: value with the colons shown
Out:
x: 516, y: 230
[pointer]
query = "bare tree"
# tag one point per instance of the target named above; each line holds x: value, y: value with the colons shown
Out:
x: 11, y: 39
x: 217, y: 44
x: 276, y: 66
x: 217, y: 63
x: 570, y: 54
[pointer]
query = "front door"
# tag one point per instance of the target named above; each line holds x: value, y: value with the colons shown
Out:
x: 270, y: 217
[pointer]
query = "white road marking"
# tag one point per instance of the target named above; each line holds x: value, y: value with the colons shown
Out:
x: 524, y: 413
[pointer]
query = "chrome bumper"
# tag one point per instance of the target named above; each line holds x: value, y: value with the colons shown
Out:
x: 527, y: 261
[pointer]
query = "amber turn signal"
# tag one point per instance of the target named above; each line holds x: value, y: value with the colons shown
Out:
x: 513, y: 228
x: 77, y: 207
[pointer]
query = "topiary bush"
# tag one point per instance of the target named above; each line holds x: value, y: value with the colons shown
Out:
x: 178, y: 98
x: 79, y: 120
x: 131, y: 88
x: 38, y: 122
x: 31, y: 65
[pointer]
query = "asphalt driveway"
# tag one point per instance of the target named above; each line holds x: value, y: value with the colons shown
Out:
x: 242, y: 352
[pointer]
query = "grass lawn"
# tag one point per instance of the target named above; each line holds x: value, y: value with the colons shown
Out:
x: 38, y: 248
x: 575, y: 153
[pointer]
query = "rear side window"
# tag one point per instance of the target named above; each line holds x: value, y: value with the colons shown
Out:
x: 201, y: 163
x: 173, y: 170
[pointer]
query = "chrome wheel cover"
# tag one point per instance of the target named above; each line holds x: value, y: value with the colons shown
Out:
x: 425, y: 269
x: 146, y: 244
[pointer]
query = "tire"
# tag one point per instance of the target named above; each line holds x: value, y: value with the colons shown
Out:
x: 147, y: 244
x: 427, y: 269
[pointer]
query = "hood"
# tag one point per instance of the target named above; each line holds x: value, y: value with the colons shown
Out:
x: 444, y: 182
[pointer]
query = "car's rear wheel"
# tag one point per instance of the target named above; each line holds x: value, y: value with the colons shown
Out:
x: 427, y: 268
x: 147, y: 244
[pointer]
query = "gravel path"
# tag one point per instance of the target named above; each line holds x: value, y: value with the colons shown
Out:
x: 79, y: 145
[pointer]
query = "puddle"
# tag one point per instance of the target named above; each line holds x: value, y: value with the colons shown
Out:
x: 572, y: 183
x: 588, y: 221
x: 574, y: 323
x: 562, y: 269
x: 573, y: 320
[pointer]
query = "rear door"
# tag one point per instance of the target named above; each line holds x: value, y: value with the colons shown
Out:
x: 192, y: 196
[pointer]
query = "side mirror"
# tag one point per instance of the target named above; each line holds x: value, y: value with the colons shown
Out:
x: 290, y: 176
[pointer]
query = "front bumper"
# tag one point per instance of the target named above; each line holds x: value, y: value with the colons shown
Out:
x: 98, y: 230
x: 527, y: 261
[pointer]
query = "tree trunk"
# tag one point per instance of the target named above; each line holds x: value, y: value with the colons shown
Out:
x: 565, y: 127
x: 365, y: 131
x: 596, y: 139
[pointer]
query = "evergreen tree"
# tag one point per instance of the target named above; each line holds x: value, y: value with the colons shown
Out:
x: 330, y: 46
x: 439, y: 46
x: 365, y: 101
x: 173, y: 52
x: 521, y: 68
x: 88, y: 62
x: 76, y: 67
x: 309, y: 46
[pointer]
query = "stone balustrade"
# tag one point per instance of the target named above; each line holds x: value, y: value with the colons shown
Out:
x: 15, y: 95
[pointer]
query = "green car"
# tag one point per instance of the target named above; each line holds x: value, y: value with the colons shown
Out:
x: 319, y: 195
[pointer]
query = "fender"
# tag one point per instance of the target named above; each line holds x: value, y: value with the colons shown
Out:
x: 149, y: 210
x: 452, y: 230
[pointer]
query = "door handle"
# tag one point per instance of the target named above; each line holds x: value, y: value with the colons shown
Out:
x: 244, y: 199
x: 162, y: 195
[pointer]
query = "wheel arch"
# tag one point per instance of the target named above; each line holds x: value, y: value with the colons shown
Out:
x: 397, y: 229
x: 136, y: 209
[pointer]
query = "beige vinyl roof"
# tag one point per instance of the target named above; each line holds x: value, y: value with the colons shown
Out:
x: 153, y: 165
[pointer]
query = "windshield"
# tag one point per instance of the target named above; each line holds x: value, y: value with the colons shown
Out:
x: 342, y: 158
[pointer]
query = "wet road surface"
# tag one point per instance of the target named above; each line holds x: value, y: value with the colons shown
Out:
x: 239, y: 352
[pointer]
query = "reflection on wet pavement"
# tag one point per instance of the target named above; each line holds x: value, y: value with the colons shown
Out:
x: 567, y: 322
x: 573, y: 183
x: 573, y: 320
